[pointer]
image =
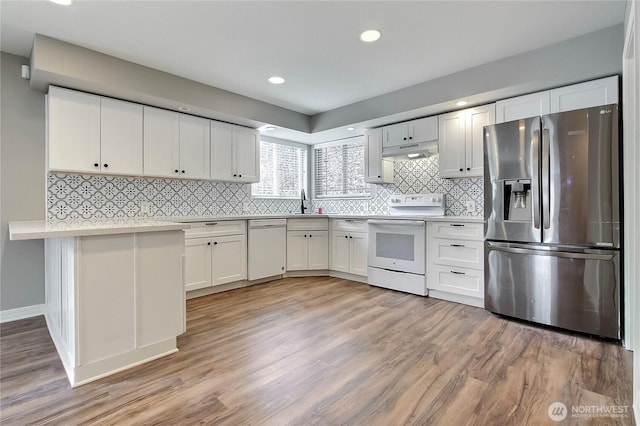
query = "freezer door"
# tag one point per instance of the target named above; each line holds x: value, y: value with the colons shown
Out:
x: 580, y: 184
x: 577, y: 291
x: 511, y: 181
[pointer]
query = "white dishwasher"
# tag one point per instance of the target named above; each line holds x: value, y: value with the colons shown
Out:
x: 267, y: 248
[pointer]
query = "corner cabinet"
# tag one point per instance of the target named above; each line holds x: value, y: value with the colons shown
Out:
x: 175, y: 145
x: 461, y: 141
x: 349, y: 246
x: 215, y: 254
x: 235, y: 153
x: 376, y: 168
x: 307, y: 244
x: 93, y: 134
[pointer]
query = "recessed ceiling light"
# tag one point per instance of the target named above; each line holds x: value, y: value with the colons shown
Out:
x: 461, y: 103
x: 370, y: 35
x: 62, y: 2
x: 276, y: 80
x: 184, y: 108
x: 270, y: 128
x: 351, y: 128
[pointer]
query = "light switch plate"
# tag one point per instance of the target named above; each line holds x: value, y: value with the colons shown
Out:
x: 245, y: 206
x: 145, y: 207
x: 471, y: 206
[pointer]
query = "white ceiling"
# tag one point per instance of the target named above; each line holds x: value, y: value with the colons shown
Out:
x: 237, y: 45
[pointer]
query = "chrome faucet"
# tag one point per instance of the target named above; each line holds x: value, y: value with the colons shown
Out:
x: 302, y: 202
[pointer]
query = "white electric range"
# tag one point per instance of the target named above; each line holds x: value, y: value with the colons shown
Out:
x: 397, y: 243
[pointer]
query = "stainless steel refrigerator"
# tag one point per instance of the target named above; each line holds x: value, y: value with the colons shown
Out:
x: 552, y: 230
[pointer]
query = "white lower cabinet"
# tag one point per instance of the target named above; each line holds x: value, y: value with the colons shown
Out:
x: 215, y: 254
x: 455, y: 262
x: 114, y: 301
x: 349, y: 246
x: 307, y: 244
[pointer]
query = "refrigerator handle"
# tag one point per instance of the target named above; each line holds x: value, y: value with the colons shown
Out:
x: 534, y: 182
x: 546, y: 140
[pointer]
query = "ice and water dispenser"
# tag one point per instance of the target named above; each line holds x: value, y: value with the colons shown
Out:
x: 517, y: 199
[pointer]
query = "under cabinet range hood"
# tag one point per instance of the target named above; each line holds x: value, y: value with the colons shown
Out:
x: 410, y: 151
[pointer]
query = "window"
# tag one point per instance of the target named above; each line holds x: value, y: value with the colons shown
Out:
x: 339, y: 169
x: 283, y: 170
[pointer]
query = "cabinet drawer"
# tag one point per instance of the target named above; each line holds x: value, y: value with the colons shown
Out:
x: 456, y: 230
x: 467, y: 282
x: 350, y: 225
x: 216, y: 228
x: 320, y: 224
x: 462, y: 253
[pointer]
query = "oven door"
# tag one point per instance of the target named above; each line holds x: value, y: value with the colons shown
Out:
x: 397, y: 245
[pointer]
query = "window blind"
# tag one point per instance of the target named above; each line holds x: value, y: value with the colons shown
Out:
x: 339, y: 170
x: 283, y: 171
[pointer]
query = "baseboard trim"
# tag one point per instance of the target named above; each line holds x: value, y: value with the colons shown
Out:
x: 22, y: 313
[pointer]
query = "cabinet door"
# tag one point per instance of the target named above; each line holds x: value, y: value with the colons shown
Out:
x: 476, y: 119
x: 358, y: 253
x: 229, y: 259
x: 161, y: 142
x: 222, y: 167
x: 341, y: 252
x: 194, y: 147
x: 423, y: 130
x: 376, y: 169
x: 585, y: 95
x: 394, y: 135
x: 73, y: 131
x: 523, y: 107
x: 297, y: 250
x: 121, y: 137
x: 247, y: 154
x: 318, y: 250
x: 197, y: 263
x: 452, y: 144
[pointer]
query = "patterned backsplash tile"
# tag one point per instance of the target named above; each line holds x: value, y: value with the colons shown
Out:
x: 72, y: 197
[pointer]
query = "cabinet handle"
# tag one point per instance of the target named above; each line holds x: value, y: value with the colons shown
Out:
x: 456, y: 224
x: 379, y: 176
x: 215, y: 243
x: 458, y: 273
x: 176, y: 170
x: 239, y: 175
x: 183, y: 171
x: 310, y: 235
x: 106, y: 165
x: 211, y: 223
x: 350, y: 237
x: 305, y: 235
x: 404, y: 139
x: 468, y: 168
x: 96, y: 165
x: 346, y: 236
x: 456, y: 245
x: 461, y: 169
x: 209, y: 243
x: 410, y: 137
x: 235, y: 175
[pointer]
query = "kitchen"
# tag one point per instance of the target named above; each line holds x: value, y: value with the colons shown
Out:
x: 405, y: 177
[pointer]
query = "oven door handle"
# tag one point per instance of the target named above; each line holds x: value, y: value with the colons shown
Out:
x: 401, y: 222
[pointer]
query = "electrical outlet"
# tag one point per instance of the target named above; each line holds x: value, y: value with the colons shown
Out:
x: 471, y: 206
x: 145, y: 207
x: 245, y: 207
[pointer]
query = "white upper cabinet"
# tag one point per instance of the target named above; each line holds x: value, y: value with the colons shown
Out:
x: 93, y: 134
x: 576, y: 96
x: 121, y: 137
x: 410, y: 132
x: 525, y: 106
x: 584, y: 95
x: 161, y: 143
x: 175, y: 145
x: 235, y: 153
x: 461, y: 141
x: 376, y: 169
x: 194, y: 147
x: 73, y: 131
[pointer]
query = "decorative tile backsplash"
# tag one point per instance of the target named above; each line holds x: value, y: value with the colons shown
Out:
x: 73, y: 197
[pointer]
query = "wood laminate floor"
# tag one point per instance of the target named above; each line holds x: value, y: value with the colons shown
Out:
x: 324, y: 351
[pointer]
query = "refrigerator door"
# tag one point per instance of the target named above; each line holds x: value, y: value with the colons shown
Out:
x: 511, y: 181
x: 580, y: 184
x: 577, y: 290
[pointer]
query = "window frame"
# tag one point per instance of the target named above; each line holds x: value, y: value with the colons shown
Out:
x: 305, y: 179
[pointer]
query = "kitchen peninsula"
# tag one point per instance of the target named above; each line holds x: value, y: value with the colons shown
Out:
x: 114, y: 292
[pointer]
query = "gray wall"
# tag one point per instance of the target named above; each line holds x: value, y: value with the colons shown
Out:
x: 22, y: 184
